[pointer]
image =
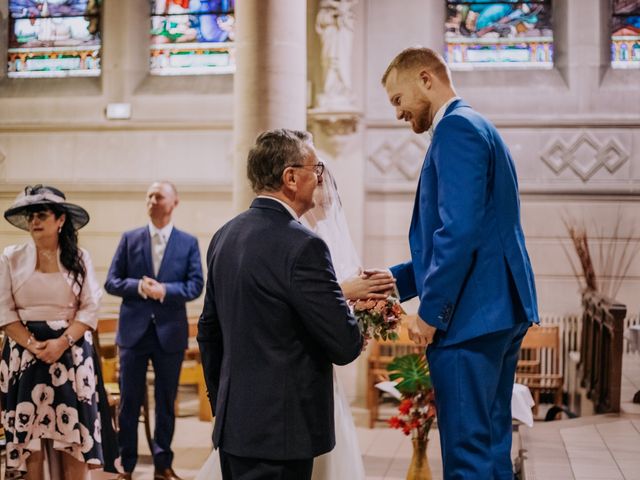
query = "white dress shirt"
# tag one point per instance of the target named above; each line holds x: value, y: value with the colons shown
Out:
x: 440, y: 114
x: 159, y: 239
x: 288, y: 207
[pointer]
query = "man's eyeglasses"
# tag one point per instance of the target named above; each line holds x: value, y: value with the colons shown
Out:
x: 318, y: 168
x: 42, y: 216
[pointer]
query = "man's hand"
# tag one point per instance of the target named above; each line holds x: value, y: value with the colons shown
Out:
x: 153, y: 289
x: 370, y: 284
x: 419, y: 331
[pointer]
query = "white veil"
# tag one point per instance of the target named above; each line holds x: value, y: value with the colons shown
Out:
x: 327, y: 219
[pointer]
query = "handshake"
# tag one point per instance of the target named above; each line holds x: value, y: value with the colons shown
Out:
x: 378, y: 284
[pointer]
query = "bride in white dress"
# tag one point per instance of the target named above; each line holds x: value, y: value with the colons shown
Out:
x: 327, y: 219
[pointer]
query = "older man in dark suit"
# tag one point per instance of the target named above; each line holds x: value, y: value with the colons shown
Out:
x: 274, y: 321
x: 156, y: 270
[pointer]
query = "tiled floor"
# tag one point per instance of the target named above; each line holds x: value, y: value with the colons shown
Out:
x: 589, y: 448
x: 386, y: 452
x: 604, y: 447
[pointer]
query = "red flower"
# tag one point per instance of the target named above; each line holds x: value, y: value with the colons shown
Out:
x: 405, y: 406
x: 395, y: 422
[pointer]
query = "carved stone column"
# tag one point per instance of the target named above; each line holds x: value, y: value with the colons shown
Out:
x: 270, y: 83
x: 335, y: 111
x: 336, y: 48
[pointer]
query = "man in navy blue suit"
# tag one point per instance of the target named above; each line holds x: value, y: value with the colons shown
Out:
x: 156, y: 270
x: 274, y: 321
x: 469, y: 266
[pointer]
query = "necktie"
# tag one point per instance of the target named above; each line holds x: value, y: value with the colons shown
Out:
x: 158, y: 246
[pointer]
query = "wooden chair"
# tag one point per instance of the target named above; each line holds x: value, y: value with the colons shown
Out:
x: 381, y: 354
x: 192, y: 373
x: 539, y: 363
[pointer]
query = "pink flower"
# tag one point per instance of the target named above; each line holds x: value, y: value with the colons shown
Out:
x: 86, y: 439
x: 58, y: 374
x: 66, y: 420
x: 46, y: 421
x: 42, y: 394
x: 25, y: 415
x: 4, y: 377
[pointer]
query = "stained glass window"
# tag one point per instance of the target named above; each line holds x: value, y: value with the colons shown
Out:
x: 54, y: 38
x: 625, y: 34
x: 482, y: 33
x: 192, y: 37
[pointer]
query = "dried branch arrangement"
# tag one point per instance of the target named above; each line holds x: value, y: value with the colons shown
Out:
x: 616, y: 252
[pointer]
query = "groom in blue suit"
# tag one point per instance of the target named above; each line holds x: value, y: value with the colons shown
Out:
x: 469, y: 266
x: 156, y: 270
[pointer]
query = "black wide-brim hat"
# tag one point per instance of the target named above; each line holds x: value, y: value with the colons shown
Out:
x: 43, y: 195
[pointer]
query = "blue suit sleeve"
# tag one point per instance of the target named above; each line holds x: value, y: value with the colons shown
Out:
x: 405, y: 280
x: 118, y: 282
x: 191, y: 287
x: 461, y: 155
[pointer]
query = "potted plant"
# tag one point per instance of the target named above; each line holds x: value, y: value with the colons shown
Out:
x: 417, y: 409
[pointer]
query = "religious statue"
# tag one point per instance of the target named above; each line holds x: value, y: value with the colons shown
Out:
x: 335, y: 24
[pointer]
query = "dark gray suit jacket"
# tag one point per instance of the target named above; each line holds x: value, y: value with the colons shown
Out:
x: 274, y: 321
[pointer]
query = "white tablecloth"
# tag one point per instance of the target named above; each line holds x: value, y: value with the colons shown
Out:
x: 521, y: 401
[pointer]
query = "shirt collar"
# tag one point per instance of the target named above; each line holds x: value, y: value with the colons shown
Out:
x: 440, y: 114
x: 289, y: 209
x: 165, y: 232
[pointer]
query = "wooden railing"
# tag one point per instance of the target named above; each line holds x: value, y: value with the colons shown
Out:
x: 601, y: 350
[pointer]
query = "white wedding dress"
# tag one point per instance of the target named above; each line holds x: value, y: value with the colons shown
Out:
x: 345, y: 460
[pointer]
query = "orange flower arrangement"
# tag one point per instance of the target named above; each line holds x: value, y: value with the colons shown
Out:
x: 378, y: 319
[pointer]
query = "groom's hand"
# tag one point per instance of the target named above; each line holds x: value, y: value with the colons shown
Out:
x: 419, y: 331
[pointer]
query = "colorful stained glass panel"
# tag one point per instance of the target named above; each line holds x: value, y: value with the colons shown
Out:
x: 481, y: 33
x: 54, y: 38
x: 625, y: 34
x: 192, y: 37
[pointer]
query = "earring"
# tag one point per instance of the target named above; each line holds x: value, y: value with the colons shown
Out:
x: 60, y: 229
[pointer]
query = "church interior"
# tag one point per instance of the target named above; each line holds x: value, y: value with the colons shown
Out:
x: 100, y: 98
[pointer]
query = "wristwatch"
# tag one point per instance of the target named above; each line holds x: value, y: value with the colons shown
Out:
x: 70, y: 339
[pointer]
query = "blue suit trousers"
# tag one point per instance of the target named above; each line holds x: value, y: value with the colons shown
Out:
x: 133, y: 382
x: 473, y: 384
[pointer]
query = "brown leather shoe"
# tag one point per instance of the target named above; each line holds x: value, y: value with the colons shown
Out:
x: 124, y: 476
x: 166, y: 474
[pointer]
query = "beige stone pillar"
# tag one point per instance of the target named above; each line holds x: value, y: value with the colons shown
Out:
x: 270, y: 82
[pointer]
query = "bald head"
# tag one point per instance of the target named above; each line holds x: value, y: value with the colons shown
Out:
x: 162, y: 198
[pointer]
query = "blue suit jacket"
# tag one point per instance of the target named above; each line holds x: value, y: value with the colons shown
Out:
x: 180, y: 272
x: 469, y: 265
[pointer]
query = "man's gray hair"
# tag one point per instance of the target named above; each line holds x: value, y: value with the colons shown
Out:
x: 274, y: 151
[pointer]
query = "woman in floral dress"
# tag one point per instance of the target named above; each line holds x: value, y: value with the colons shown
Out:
x: 49, y: 300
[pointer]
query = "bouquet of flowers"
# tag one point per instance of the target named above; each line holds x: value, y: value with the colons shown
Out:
x: 378, y: 319
x: 417, y: 409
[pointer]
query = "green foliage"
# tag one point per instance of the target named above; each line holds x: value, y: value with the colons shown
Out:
x: 411, y: 372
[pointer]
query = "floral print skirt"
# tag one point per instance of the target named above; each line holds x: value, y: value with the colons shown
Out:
x: 57, y: 402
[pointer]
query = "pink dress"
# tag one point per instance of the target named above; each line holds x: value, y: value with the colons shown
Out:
x: 55, y: 402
